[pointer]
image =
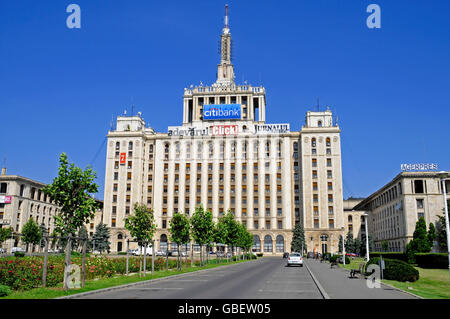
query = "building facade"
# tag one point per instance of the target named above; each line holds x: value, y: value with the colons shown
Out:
x: 22, y: 199
x: 396, y: 207
x: 225, y: 156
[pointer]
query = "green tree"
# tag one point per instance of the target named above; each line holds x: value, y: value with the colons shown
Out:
x: 72, y: 190
x: 246, y: 238
x: 5, y: 233
x: 420, y: 242
x: 141, y: 225
x: 31, y: 233
x: 220, y: 233
x: 232, y: 230
x: 431, y: 235
x: 202, y: 228
x: 385, y: 245
x: 340, y: 243
x: 100, y: 240
x: 349, y: 243
x: 441, y: 231
x: 298, y: 239
x: 357, y: 246
x: 179, y: 233
x: 363, y: 244
x: 83, y: 233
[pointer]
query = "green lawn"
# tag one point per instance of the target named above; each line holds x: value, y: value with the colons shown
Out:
x: 432, y: 284
x: 55, y: 292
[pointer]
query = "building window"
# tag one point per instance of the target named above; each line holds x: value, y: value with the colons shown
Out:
x: 268, y: 244
x: 314, y: 162
x: 313, y: 142
x: 255, y: 212
x: 328, y: 142
x: 129, y: 175
x: 418, y: 187
x: 331, y: 223
x: 116, y: 176
x: 130, y: 146
x: 113, y: 222
x: 330, y: 210
x: 419, y: 203
x: 316, y: 223
x: 328, y: 162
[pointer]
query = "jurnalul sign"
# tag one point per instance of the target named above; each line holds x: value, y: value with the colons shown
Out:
x: 222, y: 111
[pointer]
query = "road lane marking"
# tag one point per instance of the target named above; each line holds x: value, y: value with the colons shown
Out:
x: 153, y: 288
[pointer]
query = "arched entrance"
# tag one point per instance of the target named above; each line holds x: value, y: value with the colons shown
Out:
x: 256, y: 244
x: 280, y: 244
x: 119, y: 242
x: 163, y: 242
x: 268, y: 248
x: 324, y: 242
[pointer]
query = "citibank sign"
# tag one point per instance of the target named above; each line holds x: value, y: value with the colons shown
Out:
x: 221, y: 111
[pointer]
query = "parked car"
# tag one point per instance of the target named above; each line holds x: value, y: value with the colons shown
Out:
x: 286, y: 255
x: 295, y: 259
x: 2, y: 250
x: 352, y: 254
x: 142, y: 250
x: 14, y: 249
x: 310, y: 255
x: 212, y: 252
x: 160, y: 253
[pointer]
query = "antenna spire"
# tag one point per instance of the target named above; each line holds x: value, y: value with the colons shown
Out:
x: 226, y: 16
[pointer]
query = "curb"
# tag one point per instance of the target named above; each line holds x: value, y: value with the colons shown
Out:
x: 82, y: 294
x: 319, y: 286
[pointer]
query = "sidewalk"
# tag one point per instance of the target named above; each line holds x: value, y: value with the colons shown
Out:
x: 338, y: 285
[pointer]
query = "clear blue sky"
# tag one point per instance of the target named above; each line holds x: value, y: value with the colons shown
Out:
x: 390, y: 87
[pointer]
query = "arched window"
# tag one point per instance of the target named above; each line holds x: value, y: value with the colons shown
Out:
x: 130, y: 146
x: 328, y: 141
x: 151, y: 148
x: 319, y: 123
x: 313, y: 142
x: 280, y: 244
x: 350, y: 218
x: 256, y: 244
x: 163, y: 242
x: 117, y: 145
x: 166, y: 148
x: 324, y: 237
x: 268, y: 244
x: 119, y: 236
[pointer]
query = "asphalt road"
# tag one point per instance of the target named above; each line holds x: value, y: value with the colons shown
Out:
x: 265, y: 278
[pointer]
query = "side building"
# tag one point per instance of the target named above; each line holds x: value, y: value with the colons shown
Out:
x: 225, y: 156
x: 22, y: 199
x: 396, y: 207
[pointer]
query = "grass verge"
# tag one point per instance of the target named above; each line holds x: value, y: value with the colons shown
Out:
x: 55, y: 292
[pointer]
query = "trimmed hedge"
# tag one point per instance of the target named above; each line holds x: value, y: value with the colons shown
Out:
x: 390, y: 255
x: 397, y: 270
x: 335, y: 257
x: 259, y: 254
x: 432, y: 260
x: 4, y: 290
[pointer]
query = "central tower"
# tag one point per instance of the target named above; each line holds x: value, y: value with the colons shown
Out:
x: 224, y: 94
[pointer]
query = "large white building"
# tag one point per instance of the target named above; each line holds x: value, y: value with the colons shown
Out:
x: 226, y: 157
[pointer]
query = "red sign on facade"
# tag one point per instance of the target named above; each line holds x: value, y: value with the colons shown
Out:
x: 123, y: 158
x: 225, y: 130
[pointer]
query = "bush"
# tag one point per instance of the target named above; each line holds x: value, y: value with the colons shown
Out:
x: 19, y: 254
x: 390, y: 255
x: 336, y: 257
x: 432, y: 260
x: 259, y: 254
x: 4, y: 291
x: 122, y: 253
x: 397, y: 270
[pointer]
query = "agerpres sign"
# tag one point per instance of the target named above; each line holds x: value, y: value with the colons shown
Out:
x: 271, y: 128
x: 221, y: 111
x: 419, y: 167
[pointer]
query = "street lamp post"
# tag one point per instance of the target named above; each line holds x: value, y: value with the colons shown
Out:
x: 343, y: 246
x: 442, y: 176
x: 366, y: 219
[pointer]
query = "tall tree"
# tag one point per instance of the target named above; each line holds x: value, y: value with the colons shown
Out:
x: 349, y: 243
x: 202, y: 228
x: 31, y: 233
x: 72, y: 190
x: 100, y: 240
x: 5, y: 233
x: 363, y: 244
x: 420, y: 242
x: 220, y: 234
x: 141, y: 225
x: 385, y: 245
x: 431, y: 235
x: 357, y: 245
x: 232, y: 230
x: 179, y: 233
x: 341, y: 243
x: 83, y: 233
x: 298, y: 239
x: 441, y: 230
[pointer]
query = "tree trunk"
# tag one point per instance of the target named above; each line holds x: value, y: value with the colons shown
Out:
x: 153, y: 257
x: 128, y: 254
x: 145, y: 258
x: 192, y: 255
x: 44, y: 270
x: 67, y: 265
x: 83, y: 265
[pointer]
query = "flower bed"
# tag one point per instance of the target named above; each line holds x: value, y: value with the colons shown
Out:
x: 26, y: 272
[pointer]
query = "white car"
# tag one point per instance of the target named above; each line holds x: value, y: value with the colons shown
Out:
x: 14, y: 249
x: 295, y: 259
